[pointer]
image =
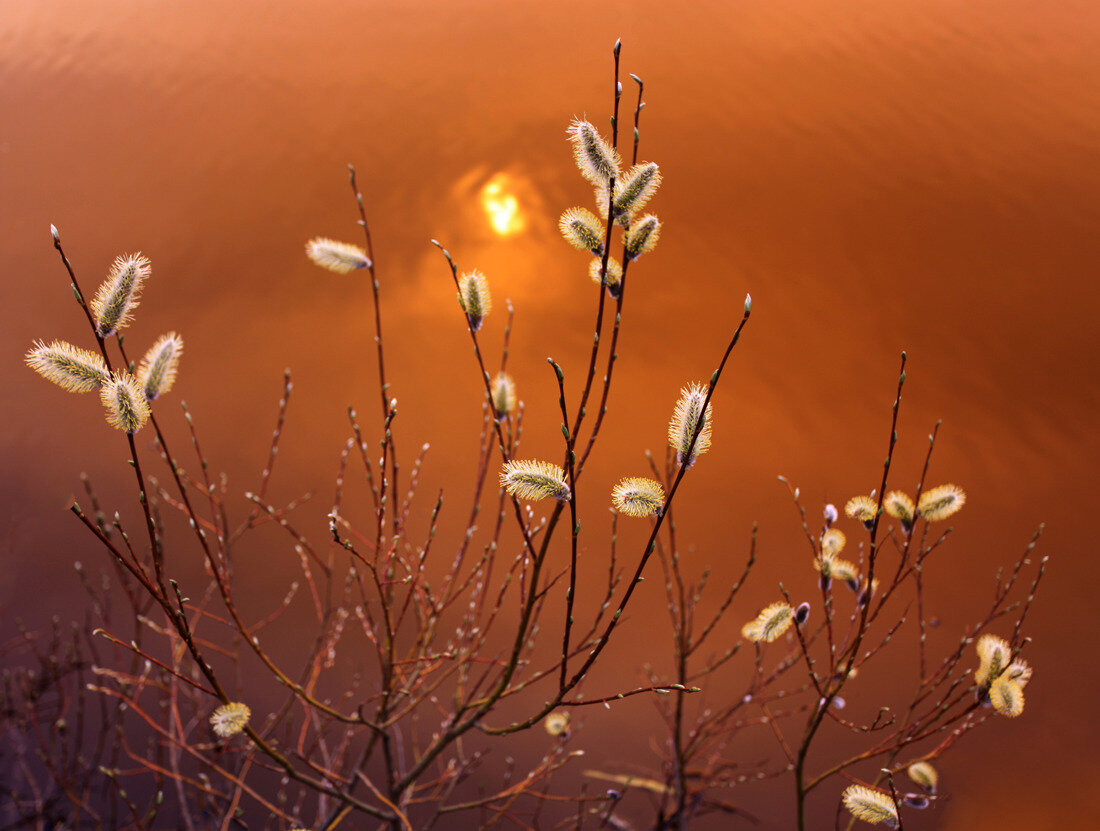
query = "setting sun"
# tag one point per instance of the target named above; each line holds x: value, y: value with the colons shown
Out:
x: 501, y: 206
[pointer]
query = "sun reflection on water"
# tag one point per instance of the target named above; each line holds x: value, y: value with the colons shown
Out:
x: 501, y: 206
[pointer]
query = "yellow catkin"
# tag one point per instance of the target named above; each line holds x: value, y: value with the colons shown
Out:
x: 870, y: 805
x: 124, y: 400
x: 340, y: 257
x: 1007, y: 697
x: 557, y: 724
x: 642, y: 236
x: 157, y: 371
x: 940, y: 502
x: 632, y: 192
x: 862, y: 508
x: 230, y: 719
x: 924, y: 775
x: 900, y: 506
x: 474, y: 298
x: 685, y: 420
x: 846, y: 571
x: 595, y: 158
x: 772, y: 622
x: 70, y: 367
x: 534, y: 480
x: 504, y: 395
x: 993, y: 655
x: 832, y: 542
x: 117, y: 297
x: 612, y: 279
x: 638, y: 496
x: 1018, y: 671
x: 582, y: 230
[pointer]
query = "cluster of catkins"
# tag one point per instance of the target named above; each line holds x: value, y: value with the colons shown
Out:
x: 125, y: 393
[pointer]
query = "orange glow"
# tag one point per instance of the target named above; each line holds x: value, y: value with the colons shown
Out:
x: 501, y: 206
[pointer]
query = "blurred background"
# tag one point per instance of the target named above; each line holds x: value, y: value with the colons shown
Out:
x: 913, y: 175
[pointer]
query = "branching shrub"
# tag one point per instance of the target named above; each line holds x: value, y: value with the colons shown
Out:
x: 193, y: 716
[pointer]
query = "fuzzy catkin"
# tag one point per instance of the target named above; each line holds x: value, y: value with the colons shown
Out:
x: 113, y: 305
x: 157, y: 371
x: 124, y: 400
x: 70, y: 367
x: 338, y: 257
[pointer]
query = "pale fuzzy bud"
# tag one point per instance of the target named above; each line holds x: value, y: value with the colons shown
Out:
x: 924, y: 775
x: 613, y: 278
x: 1019, y: 671
x: 340, y: 257
x: 597, y: 161
x: 638, y: 496
x: 685, y: 421
x: 993, y: 656
x: 473, y: 297
x: 832, y: 542
x: 230, y: 719
x: 125, y: 402
x: 534, y: 480
x: 642, y: 236
x: 870, y: 805
x: 941, y: 502
x: 831, y: 514
x: 557, y: 724
x: 55, y: 234
x: 862, y: 508
x: 582, y: 230
x: 157, y: 371
x: 900, y: 506
x: 632, y: 192
x: 68, y: 366
x: 772, y: 622
x: 504, y: 395
x: 916, y: 800
x: 118, y: 295
x: 1007, y: 697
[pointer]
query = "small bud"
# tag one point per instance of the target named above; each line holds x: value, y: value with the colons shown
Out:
x: 831, y: 514
x: 748, y: 304
x: 801, y: 613
x: 54, y: 233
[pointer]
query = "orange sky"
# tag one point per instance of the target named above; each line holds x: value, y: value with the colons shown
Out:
x: 918, y: 175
